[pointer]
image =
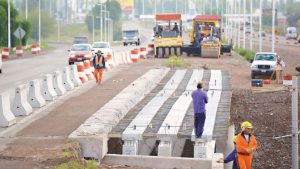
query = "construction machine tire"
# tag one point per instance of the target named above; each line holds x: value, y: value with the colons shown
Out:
x: 167, y: 52
x: 178, y: 51
x: 159, y: 52
x: 172, y: 51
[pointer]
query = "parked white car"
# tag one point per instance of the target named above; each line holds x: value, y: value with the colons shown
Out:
x: 103, y: 46
x: 264, y: 63
x: 291, y: 33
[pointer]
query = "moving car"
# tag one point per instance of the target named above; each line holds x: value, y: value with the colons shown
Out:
x: 291, y: 33
x: 263, y: 34
x: 264, y: 63
x: 103, y: 46
x: 79, y: 53
x: 80, y: 40
x: 131, y: 37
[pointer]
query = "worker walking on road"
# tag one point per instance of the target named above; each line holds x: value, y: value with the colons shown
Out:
x: 199, y: 101
x: 99, y: 65
x: 245, y: 145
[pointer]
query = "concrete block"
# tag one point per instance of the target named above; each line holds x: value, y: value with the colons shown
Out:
x: 204, y: 150
x: 68, y: 84
x: 48, y: 91
x: 130, y: 147
x: 58, y: 84
x: 93, y: 146
x: 35, y: 97
x: 74, y: 76
x: 157, y: 162
x: 21, y: 106
x: 165, y: 148
x: 7, y: 118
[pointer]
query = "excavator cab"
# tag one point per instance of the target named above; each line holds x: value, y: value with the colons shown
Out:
x: 168, y: 35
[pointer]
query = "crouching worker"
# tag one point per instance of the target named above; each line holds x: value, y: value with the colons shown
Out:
x: 99, y: 66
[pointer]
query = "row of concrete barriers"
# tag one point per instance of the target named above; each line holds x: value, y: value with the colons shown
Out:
x: 37, y: 93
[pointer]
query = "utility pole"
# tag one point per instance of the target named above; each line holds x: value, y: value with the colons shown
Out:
x: 155, y: 8
x: 235, y: 23
x: 260, y: 26
x: 40, y: 38
x: 217, y: 2
x: 244, y: 42
x: 251, y: 25
x: 162, y: 6
x: 8, y: 13
x: 295, y: 150
x: 176, y: 7
x: 26, y: 10
x: 239, y: 23
x: 211, y: 5
x: 273, y: 26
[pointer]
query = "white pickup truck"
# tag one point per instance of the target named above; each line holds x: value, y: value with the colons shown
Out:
x: 264, y: 63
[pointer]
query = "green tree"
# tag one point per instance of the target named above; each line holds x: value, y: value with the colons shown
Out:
x: 15, y: 23
x: 47, y: 24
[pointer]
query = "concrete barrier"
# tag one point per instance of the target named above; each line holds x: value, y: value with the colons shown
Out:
x: 21, y: 106
x: 124, y: 58
x: 74, y: 76
x: 66, y: 79
x: 158, y: 162
x: 134, y: 55
x: 58, y: 84
x: 87, y: 69
x: 35, y: 49
x: 92, y: 135
x: 81, y: 72
x: 5, y: 53
x: 48, y: 91
x: 128, y: 57
x: 19, y: 51
x: 7, y: 118
x: 35, y: 97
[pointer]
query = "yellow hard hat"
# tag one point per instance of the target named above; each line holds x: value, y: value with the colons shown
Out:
x: 246, y: 124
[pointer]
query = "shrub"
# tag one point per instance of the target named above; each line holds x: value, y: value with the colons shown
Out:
x: 245, y: 53
x: 174, y: 61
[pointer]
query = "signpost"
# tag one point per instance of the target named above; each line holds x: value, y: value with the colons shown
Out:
x: 20, y: 33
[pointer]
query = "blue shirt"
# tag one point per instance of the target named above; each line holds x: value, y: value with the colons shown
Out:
x: 199, y: 101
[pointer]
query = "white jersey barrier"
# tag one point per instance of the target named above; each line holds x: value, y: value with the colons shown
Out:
x: 169, y: 129
x: 74, y: 76
x: 92, y: 135
x: 133, y: 134
x: 21, y: 106
x: 204, y: 147
x: 48, y: 91
x: 7, y: 118
x: 66, y: 79
x: 58, y: 84
x: 35, y: 97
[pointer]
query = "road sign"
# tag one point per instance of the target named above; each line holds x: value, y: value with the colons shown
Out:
x: 19, y: 33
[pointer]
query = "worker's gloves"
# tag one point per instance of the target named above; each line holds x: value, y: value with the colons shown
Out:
x: 250, y: 150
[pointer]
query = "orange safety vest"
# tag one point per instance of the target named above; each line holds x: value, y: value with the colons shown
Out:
x: 242, y: 145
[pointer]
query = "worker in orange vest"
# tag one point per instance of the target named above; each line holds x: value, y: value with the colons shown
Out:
x: 245, y: 146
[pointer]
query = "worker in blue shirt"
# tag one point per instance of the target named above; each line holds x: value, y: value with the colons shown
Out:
x: 199, y: 101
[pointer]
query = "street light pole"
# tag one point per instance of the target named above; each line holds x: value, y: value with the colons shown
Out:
x: 211, y: 5
x: 251, y: 25
x: 260, y: 26
x: 93, y: 27
x: 273, y: 26
x: 8, y: 27
x: 40, y: 38
x: 244, y: 42
x: 26, y: 9
x: 239, y: 23
x: 217, y: 2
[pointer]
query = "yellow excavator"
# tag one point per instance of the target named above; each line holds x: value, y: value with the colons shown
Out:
x: 168, y: 35
x: 205, y: 38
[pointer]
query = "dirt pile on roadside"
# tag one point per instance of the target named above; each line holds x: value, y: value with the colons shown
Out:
x: 270, y: 113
